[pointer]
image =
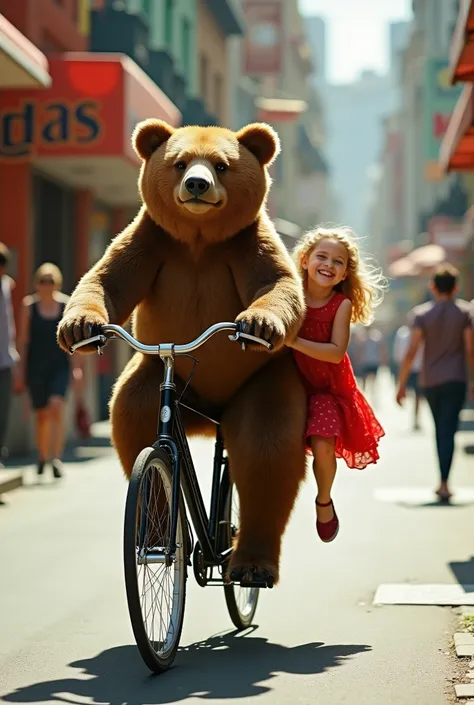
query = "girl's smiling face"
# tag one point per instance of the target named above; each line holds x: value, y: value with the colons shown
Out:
x: 326, y: 264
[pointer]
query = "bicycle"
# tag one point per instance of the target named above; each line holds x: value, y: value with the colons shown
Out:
x: 162, y: 474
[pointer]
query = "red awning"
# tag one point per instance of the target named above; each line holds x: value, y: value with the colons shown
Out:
x: 462, y: 45
x: 22, y: 65
x: 457, y: 147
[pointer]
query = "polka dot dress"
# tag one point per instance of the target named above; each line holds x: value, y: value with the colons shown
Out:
x: 336, y: 406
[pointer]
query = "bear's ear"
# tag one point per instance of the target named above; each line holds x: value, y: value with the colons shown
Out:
x: 148, y: 135
x: 261, y: 140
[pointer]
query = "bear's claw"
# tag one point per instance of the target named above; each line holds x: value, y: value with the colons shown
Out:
x: 252, y: 577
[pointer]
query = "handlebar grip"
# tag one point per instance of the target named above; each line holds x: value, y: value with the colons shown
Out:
x: 99, y: 339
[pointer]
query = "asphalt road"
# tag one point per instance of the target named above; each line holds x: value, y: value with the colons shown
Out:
x: 64, y: 626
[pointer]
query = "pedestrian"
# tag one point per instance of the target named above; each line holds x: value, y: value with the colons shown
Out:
x: 339, y: 288
x: 372, y: 359
x: 354, y: 350
x: 445, y: 328
x: 47, y: 369
x: 8, y: 352
x: 400, y: 347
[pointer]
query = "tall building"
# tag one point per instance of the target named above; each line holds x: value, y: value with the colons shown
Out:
x: 316, y: 35
x: 354, y: 114
x: 399, y: 35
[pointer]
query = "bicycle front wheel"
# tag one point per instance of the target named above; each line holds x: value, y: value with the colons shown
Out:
x: 241, y: 601
x: 156, y: 588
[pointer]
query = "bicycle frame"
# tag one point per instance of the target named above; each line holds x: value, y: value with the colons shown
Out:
x: 172, y: 437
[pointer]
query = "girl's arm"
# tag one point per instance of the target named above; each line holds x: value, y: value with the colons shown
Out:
x: 336, y: 349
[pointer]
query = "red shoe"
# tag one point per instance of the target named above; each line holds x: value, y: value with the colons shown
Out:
x: 327, y: 530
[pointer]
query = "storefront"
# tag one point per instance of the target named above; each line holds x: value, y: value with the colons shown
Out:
x: 457, y: 148
x: 68, y: 172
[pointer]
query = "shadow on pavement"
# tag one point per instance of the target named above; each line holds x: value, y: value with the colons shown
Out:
x: 435, y: 504
x: 80, y: 451
x: 463, y: 571
x: 226, y: 666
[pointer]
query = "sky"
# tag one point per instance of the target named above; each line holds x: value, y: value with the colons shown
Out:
x: 357, y: 33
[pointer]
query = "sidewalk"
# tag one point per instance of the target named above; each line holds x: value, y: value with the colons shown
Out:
x: 18, y: 467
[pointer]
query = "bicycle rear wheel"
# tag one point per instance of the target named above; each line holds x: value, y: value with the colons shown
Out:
x: 156, y: 592
x: 241, y: 602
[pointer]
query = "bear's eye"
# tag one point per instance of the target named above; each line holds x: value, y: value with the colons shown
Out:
x: 180, y: 166
x: 221, y: 166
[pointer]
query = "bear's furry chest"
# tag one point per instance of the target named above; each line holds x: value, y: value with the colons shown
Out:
x: 183, y: 302
x: 187, y: 297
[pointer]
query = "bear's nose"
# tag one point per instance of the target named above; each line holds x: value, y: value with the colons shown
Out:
x: 197, y: 185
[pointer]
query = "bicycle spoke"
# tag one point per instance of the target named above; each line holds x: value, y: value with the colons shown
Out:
x: 159, y: 583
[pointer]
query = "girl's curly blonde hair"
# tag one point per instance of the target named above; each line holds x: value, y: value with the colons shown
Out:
x: 364, y: 284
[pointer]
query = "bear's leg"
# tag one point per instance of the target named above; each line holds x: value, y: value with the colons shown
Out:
x: 134, y: 409
x: 263, y: 430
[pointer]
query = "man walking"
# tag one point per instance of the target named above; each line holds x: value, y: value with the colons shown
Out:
x: 445, y: 328
x: 8, y: 352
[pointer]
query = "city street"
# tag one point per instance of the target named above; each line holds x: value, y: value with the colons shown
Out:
x: 64, y: 627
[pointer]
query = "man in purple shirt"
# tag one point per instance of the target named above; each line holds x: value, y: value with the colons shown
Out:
x: 445, y: 328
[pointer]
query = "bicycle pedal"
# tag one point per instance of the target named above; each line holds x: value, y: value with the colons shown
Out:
x: 256, y: 584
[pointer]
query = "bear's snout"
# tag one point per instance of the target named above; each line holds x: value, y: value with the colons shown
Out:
x: 199, y: 190
x: 197, y: 185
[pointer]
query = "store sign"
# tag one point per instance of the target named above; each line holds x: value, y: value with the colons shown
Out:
x: 263, y: 41
x: 60, y: 124
x: 439, y: 100
x: 88, y: 111
x: 449, y: 233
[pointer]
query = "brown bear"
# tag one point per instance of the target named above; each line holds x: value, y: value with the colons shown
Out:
x: 202, y: 250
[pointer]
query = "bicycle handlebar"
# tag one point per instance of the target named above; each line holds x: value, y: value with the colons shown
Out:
x: 167, y: 349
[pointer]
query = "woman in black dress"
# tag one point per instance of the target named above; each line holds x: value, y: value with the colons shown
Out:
x: 46, y: 369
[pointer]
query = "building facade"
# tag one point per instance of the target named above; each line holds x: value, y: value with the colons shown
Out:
x: 68, y: 174
x: 457, y: 150
x: 181, y: 44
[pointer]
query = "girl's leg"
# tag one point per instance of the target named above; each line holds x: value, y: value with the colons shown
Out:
x: 57, y: 437
x: 42, y: 436
x: 324, y: 467
x: 56, y: 406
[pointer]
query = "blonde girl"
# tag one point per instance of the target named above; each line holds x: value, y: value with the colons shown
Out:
x: 340, y: 289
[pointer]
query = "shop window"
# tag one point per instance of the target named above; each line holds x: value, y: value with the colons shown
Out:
x: 218, y: 95
x: 203, y: 78
x: 147, y: 5
x: 53, y: 227
x: 169, y: 23
x: 186, y: 51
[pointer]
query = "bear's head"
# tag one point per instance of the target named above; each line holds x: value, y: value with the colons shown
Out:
x: 204, y: 183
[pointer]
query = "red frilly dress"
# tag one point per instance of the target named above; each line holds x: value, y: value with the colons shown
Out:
x: 336, y: 406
